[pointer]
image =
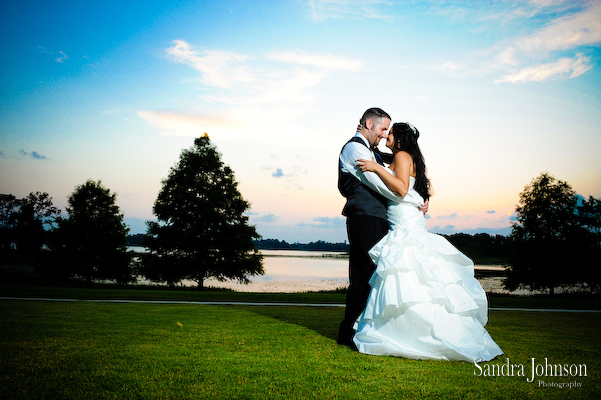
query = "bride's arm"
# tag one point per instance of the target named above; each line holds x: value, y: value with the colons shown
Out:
x: 401, y: 165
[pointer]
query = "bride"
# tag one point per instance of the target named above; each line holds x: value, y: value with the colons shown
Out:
x: 424, y: 302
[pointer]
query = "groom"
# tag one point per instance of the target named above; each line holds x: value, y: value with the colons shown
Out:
x: 365, y: 211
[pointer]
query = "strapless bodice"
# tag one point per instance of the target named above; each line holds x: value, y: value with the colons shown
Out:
x: 406, y: 214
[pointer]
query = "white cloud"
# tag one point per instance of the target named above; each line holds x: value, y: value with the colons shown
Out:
x: 569, y: 32
x: 507, y: 57
x: 218, y: 68
x: 564, y: 34
x: 325, y: 9
x: 279, y: 78
x: 62, y: 58
x: 449, y: 216
x: 562, y: 68
x: 324, y: 61
x: 325, y: 222
x: 272, y: 88
x: 267, y: 218
x: 450, y: 66
x: 551, y: 41
x: 546, y: 3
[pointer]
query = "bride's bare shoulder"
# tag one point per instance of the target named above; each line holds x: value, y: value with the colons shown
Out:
x: 402, y: 157
x: 402, y: 164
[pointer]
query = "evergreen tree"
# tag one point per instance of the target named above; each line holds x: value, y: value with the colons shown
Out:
x: 201, y: 231
x: 91, y: 243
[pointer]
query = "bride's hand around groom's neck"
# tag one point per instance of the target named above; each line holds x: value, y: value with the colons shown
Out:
x: 364, y: 165
x: 425, y: 206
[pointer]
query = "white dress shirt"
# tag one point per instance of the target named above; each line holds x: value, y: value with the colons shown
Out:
x: 348, y: 161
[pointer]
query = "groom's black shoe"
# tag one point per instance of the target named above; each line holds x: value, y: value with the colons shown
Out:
x: 348, y: 342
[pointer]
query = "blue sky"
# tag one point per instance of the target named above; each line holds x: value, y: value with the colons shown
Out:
x: 501, y: 91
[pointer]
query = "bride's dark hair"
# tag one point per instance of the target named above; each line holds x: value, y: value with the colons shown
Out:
x: 405, y: 139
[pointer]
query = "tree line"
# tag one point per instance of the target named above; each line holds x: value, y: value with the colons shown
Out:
x: 201, y: 231
x: 266, y: 244
x: 482, y: 248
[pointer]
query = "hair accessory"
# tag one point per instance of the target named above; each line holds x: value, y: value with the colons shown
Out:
x: 413, y: 128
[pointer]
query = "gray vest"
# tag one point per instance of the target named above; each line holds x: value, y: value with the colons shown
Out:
x: 360, y: 199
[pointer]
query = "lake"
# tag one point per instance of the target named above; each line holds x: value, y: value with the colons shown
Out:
x: 301, y: 271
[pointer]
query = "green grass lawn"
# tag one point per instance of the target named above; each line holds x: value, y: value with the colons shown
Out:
x: 92, y: 350
x: 188, y: 294
x: 153, y: 293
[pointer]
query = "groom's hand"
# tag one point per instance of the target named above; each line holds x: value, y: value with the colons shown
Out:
x: 424, y: 207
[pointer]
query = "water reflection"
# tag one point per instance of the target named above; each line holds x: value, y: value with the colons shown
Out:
x: 303, y: 268
x: 301, y: 271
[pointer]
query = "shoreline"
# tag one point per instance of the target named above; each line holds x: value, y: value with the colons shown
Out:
x: 491, y: 285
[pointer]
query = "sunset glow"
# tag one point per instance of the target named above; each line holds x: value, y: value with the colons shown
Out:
x: 501, y: 91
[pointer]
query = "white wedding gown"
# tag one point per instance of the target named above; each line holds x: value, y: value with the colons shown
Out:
x: 425, y: 302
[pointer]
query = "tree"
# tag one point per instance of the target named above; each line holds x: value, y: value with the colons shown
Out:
x: 24, y: 222
x: 35, y: 217
x: 201, y: 231
x: 590, y: 214
x: 92, y: 241
x: 553, y: 236
x: 588, y: 237
x: 9, y: 207
x: 482, y: 248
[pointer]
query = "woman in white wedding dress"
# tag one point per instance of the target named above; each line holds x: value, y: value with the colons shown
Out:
x: 425, y: 302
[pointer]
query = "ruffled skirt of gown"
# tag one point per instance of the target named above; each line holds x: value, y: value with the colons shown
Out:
x: 425, y: 302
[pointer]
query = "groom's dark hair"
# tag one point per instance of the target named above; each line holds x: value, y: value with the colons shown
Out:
x: 373, y: 113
